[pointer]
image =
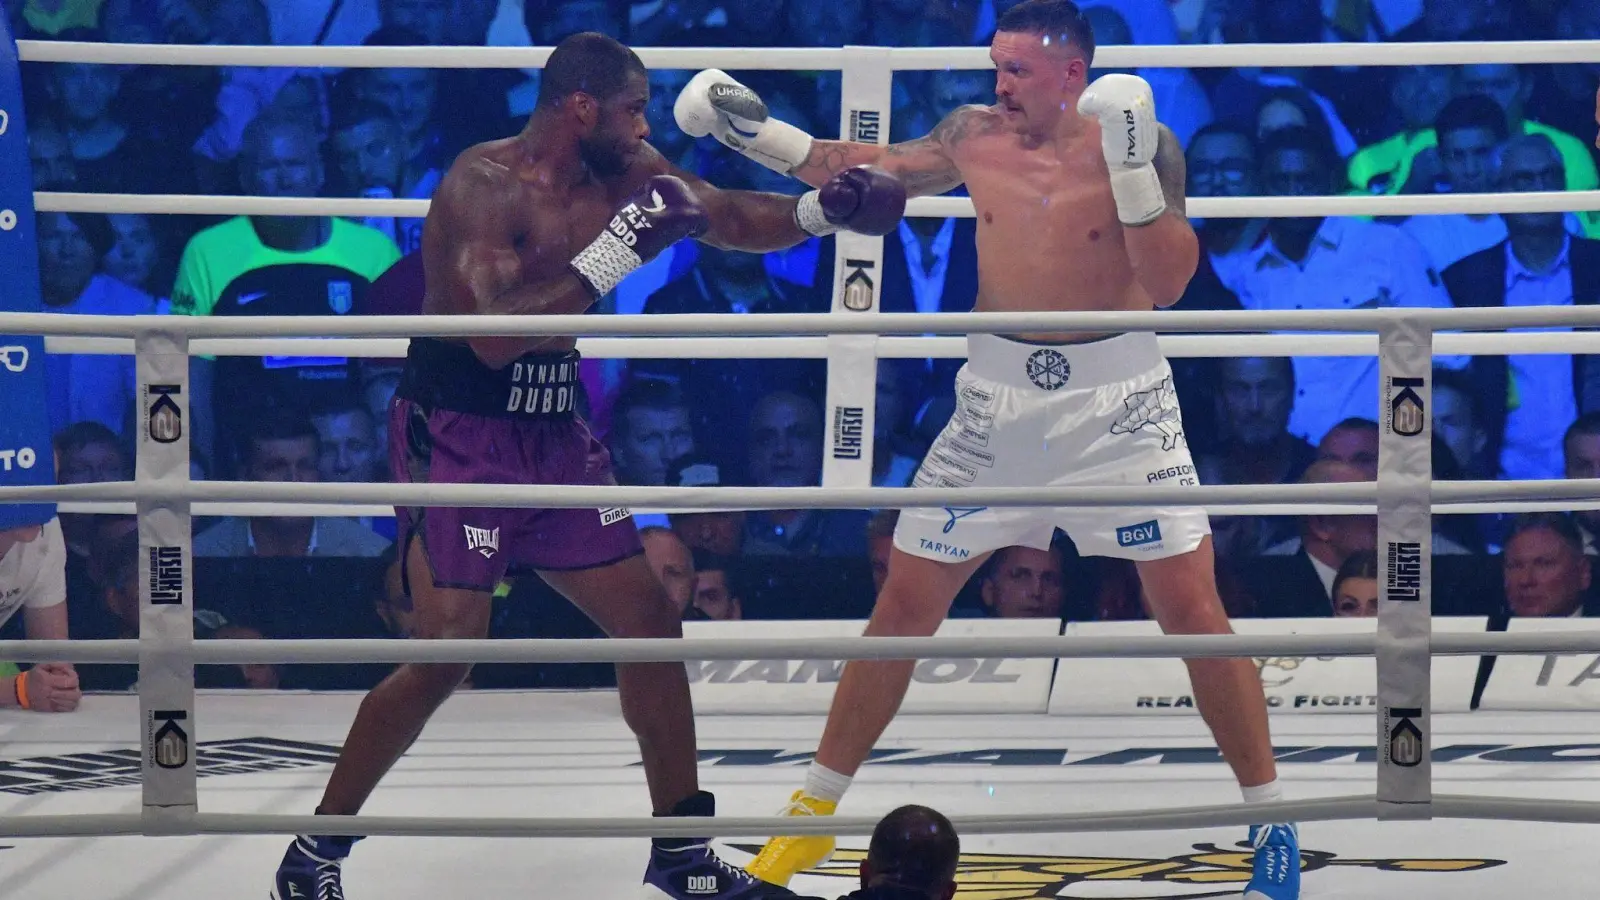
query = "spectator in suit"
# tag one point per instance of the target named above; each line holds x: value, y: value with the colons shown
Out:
x: 282, y: 445
x: 785, y: 450
x: 1254, y: 397
x: 715, y: 596
x: 1355, y: 587
x: 1539, y: 264
x: 650, y: 429
x: 1546, y: 571
x: 1024, y: 583
x: 1580, y: 450
x: 1304, y: 588
x: 674, y: 566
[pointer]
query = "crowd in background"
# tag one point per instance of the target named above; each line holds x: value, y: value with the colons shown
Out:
x: 393, y: 132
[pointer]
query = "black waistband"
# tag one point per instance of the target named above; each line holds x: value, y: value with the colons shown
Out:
x: 441, y: 375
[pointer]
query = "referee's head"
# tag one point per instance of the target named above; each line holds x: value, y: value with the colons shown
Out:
x: 913, y: 853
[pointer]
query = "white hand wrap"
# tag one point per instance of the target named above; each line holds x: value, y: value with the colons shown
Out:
x: 1137, y: 191
x: 604, y: 263
x: 808, y: 215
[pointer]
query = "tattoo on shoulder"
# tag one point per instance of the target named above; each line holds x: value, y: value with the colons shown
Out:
x: 1173, y: 171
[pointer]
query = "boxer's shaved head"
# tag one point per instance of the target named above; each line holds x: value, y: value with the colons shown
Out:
x: 589, y: 62
x: 916, y: 849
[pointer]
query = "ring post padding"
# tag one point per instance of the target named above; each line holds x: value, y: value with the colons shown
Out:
x: 857, y: 284
x: 1405, y: 548
x: 166, y: 587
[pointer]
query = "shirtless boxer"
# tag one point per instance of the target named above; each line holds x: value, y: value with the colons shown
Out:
x: 549, y: 221
x: 1080, y: 202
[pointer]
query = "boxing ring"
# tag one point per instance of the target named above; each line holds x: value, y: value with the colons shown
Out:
x: 1069, y: 817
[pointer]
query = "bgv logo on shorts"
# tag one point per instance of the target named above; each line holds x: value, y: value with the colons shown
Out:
x: 1139, y: 535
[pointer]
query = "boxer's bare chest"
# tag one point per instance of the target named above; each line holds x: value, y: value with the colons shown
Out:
x: 555, y: 225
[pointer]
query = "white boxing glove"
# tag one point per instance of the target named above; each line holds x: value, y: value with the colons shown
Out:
x: 713, y: 103
x: 1129, y: 136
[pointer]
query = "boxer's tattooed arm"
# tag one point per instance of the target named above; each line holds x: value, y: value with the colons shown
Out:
x: 925, y: 165
x: 1165, y: 253
x: 1173, y: 171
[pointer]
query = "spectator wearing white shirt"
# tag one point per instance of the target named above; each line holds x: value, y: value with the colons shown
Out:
x: 33, y: 578
x: 1330, y: 264
x: 1539, y: 264
x: 1471, y: 129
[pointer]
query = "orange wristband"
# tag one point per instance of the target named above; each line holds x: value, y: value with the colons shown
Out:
x: 22, y: 691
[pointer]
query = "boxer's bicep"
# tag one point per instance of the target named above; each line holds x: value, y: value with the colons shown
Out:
x: 476, y: 221
x: 927, y: 165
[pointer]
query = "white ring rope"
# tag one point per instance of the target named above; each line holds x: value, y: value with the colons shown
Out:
x: 936, y: 207
x: 1329, y: 809
x: 1364, y: 321
x: 379, y: 510
x: 540, y: 496
x: 816, y: 58
x: 101, y: 824
x: 1173, y: 346
x: 299, y: 651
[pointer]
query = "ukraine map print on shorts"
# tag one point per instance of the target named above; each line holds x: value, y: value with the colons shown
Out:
x: 1156, y: 409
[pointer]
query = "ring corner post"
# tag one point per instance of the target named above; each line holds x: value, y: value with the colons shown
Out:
x: 166, y: 582
x: 1405, y: 548
x: 865, y: 84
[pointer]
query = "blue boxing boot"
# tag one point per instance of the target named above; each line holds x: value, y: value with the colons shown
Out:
x: 688, y: 869
x: 310, y: 869
x: 1276, y: 874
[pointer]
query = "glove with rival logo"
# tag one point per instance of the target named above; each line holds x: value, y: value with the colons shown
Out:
x: 660, y: 213
x: 863, y: 199
x: 713, y: 103
x: 1129, y: 135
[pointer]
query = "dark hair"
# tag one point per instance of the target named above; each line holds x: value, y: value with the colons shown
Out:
x: 1051, y: 18
x: 96, y: 229
x: 1360, y: 564
x: 1459, y: 382
x: 644, y: 393
x: 589, y: 62
x: 914, y: 847
x: 1472, y: 111
x: 1304, y: 140
x: 1561, y: 524
x: 278, y: 424
x: 79, y: 435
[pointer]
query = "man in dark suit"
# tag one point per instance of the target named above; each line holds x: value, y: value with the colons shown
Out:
x: 1299, y: 584
x: 1538, y: 264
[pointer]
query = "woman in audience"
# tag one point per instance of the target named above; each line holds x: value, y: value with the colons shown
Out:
x: 1355, y: 587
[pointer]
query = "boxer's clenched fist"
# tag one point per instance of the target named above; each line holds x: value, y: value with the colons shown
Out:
x: 663, y: 211
x: 714, y: 104
x: 1129, y: 137
x: 863, y: 199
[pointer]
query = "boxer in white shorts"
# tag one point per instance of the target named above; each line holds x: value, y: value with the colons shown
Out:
x: 1079, y: 198
x: 1035, y: 415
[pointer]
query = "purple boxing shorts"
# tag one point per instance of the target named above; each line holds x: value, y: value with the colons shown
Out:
x: 456, y: 421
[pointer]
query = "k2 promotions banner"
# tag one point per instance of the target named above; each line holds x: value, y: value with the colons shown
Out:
x: 790, y: 687
x: 26, y: 457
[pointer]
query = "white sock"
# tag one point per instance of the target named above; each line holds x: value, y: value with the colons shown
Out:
x: 824, y: 783
x: 1262, y: 793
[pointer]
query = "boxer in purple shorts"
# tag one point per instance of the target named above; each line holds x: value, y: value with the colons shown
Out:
x: 547, y: 222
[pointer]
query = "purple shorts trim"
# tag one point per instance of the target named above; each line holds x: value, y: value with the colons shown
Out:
x: 475, y: 548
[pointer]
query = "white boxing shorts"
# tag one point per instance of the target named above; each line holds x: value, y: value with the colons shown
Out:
x: 1102, y: 413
